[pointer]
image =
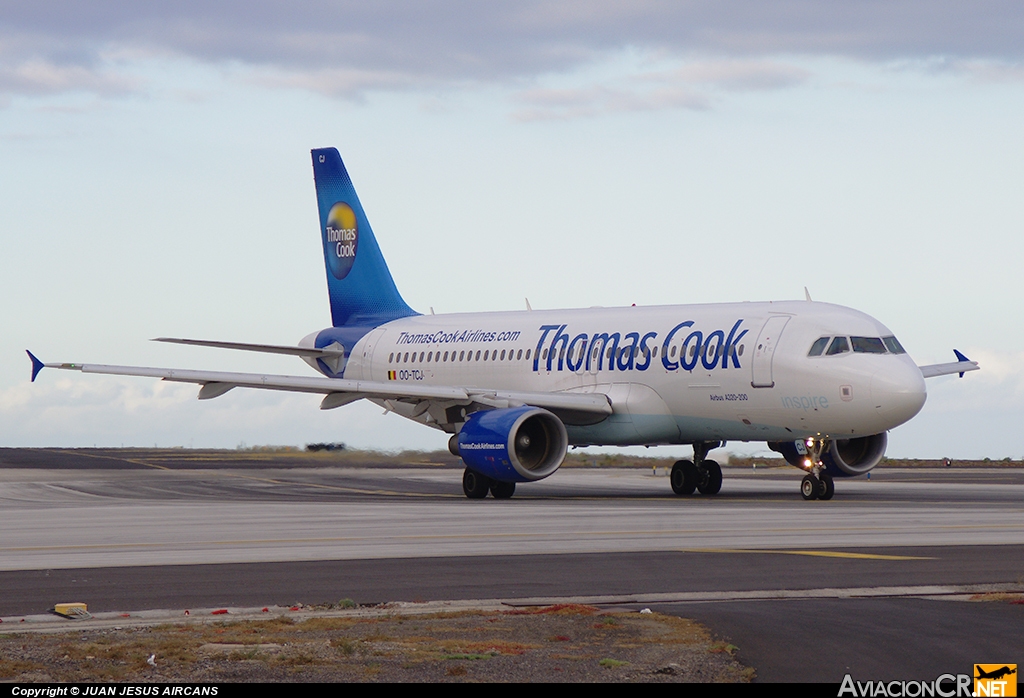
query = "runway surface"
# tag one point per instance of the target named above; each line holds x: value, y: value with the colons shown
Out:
x: 131, y: 530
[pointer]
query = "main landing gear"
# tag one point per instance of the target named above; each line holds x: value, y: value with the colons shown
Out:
x: 476, y: 486
x: 817, y: 484
x: 700, y: 474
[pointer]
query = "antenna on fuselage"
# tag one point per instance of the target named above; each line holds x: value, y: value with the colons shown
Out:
x: 528, y: 307
x: 807, y: 295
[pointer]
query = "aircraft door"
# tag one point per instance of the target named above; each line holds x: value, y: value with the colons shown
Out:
x: 764, y: 350
x: 592, y: 360
x: 367, y: 357
x: 577, y: 362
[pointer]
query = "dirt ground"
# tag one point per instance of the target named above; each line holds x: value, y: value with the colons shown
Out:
x: 558, y: 643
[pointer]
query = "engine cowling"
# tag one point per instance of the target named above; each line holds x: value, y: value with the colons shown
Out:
x: 855, y: 456
x: 844, y: 457
x: 517, y: 444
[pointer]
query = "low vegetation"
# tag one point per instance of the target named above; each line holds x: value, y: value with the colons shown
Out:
x: 557, y: 643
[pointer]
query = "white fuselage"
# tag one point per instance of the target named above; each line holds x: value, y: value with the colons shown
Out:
x: 674, y: 374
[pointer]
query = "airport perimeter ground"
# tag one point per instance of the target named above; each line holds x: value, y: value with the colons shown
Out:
x: 917, y: 572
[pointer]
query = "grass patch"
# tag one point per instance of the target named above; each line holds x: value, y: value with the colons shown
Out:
x: 10, y: 669
x: 470, y: 657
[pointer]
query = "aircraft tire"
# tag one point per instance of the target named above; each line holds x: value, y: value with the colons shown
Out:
x: 475, y: 485
x: 711, y: 483
x: 502, y: 490
x: 826, y: 487
x: 684, y: 477
x: 809, y: 487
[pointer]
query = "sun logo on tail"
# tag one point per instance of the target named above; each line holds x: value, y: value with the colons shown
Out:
x: 341, y: 239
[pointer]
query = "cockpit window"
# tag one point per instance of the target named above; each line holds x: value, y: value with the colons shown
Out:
x: 868, y: 345
x: 838, y: 346
x: 893, y: 345
x: 818, y: 346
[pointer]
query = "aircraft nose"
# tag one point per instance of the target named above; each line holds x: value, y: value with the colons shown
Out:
x: 898, y: 392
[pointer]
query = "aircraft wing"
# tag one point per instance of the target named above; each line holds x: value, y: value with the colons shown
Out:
x: 961, y: 366
x: 340, y: 392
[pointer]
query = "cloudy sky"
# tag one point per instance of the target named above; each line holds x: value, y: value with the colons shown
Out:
x: 155, y: 181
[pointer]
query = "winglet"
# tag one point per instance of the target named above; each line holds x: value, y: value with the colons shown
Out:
x: 37, y: 365
x: 960, y: 357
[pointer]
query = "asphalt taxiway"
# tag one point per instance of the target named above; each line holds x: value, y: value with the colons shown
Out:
x: 126, y: 530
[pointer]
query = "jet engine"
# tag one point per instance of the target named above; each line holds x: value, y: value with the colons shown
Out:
x: 855, y: 456
x: 517, y: 444
x: 843, y: 457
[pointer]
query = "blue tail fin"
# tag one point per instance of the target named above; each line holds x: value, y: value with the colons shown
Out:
x: 361, y: 288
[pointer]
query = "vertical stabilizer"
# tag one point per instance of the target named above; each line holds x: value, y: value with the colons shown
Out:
x: 361, y: 289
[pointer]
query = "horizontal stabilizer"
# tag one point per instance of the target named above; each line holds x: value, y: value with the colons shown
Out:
x: 325, y: 353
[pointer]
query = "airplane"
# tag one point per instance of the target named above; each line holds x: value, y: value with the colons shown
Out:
x: 821, y: 384
x: 995, y: 674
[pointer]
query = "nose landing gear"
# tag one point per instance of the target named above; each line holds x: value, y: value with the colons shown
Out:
x: 701, y: 474
x: 817, y: 484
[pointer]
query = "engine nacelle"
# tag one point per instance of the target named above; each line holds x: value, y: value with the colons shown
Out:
x: 855, y: 456
x: 518, y: 444
x: 844, y: 457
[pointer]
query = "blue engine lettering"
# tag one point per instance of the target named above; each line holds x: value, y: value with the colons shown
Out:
x: 517, y: 444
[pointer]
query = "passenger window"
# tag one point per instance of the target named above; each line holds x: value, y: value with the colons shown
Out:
x: 527, y: 354
x: 519, y: 356
x: 839, y: 346
x: 893, y: 345
x: 868, y: 345
x: 391, y: 357
x: 818, y: 346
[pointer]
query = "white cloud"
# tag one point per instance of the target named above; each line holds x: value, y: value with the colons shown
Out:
x: 735, y: 74
x: 39, y: 76
x: 691, y: 84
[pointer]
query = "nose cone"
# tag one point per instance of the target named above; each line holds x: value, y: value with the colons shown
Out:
x: 898, y: 392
